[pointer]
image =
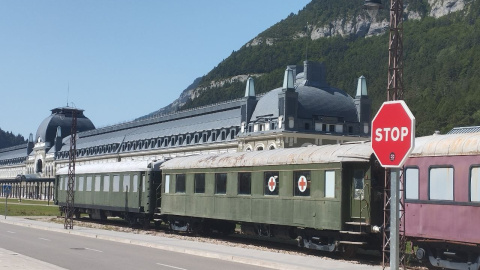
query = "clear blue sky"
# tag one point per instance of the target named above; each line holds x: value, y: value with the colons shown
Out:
x: 121, y: 59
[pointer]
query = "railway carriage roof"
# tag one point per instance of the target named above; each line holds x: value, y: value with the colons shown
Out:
x: 127, y: 166
x: 447, y: 145
x: 352, y: 152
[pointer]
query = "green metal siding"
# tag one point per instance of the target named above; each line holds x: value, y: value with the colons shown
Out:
x: 314, y: 211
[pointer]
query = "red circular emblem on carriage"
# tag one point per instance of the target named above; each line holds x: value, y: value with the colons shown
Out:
x: 272, y: 184
x: 302, y: 183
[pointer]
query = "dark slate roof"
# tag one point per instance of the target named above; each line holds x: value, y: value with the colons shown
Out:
x: 327, y: 101
x: 267, y: 105
x: 15, y: 152
x: 218, y: 116
x: 459, y: 130
x: 62, y: 117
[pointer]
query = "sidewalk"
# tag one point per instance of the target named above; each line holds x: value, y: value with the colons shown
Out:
x: 228, y: 253
x: 12, y: 260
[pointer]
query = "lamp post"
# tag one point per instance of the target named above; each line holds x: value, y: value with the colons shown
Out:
x: 394, y: 92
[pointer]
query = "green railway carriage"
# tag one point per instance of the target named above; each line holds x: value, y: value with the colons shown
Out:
x: 326, y: 197
x: 124, y: 189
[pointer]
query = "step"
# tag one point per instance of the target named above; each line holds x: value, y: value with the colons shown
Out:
x: 357, y: 223
x: 355, y: 233
x: 352, y: 243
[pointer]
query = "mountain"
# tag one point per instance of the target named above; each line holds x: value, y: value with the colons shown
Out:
x: 7, y: 139
x: 441, y: 58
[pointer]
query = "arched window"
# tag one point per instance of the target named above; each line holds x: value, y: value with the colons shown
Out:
x: 39, y: 166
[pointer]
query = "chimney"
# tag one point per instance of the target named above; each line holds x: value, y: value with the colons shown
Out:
x: 289, y: 79
x: 250, y: 101
x: 30, y: 144
x: 364, y: 105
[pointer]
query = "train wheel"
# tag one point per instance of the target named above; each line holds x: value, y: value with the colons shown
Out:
x: 349, y: 251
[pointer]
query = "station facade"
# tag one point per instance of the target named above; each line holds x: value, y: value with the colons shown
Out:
x: 306, y: 110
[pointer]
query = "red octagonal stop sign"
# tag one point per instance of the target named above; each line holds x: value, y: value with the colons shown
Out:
x: 393, y: 133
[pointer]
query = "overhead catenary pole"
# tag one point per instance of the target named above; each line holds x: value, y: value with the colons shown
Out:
x: 395, y: 91
x: 70, y: 208
x: 394, y: 215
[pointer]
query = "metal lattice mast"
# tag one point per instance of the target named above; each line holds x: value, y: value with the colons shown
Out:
x: 395, y: 52
x: 69, y: 208
x: 395, y: 90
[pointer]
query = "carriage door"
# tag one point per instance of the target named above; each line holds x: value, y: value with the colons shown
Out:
x: 358, y: 195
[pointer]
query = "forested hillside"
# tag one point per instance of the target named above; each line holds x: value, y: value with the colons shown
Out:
x: 7, y: 139
x: 442, y: 59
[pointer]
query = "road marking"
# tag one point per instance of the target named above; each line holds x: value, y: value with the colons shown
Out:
x: 11, y: 232
x: 93, y: 249
x: 44, y: 239
x: 174, y: 267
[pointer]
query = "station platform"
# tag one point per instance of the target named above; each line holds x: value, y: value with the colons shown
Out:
x: 256, y: 257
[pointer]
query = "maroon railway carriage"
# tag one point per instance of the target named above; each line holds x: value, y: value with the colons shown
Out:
x: 442, y: 200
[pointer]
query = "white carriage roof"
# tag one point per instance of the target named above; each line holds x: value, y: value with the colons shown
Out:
x: 447, y: 145
x: 351, y: 152
x: 126, y: 166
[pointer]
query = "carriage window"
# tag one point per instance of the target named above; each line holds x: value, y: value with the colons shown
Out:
x: 89, y: 183
x: 126, y: 183
x: 80, y: 183
x: 106, y: 183
x: 411, y: 183
x: 245, y: 183
x: 180, y: 183
x: 329, y: 184
x: 135, y: 183
x: 97, y: 182
x: 167, y: 183
x: 358, y: 184
x: 199, y: 183
x: 144, y: 183
x: 441, y: 184
x: 220, y: 183
x: 301, y: 183
x: 272, y: 183
x: 475, y: 184
x: 62, y: 180
x: 65, y: 181
x: 116, y: 183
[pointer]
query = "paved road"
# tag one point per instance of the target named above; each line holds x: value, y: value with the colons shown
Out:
x: 77, y: 252
x: 161, y: 252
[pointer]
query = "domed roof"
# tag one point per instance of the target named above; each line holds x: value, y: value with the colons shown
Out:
x: 62, y: 117
x: 325, y: 101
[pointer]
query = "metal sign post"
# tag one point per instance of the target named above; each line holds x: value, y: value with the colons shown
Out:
x: 395, y: 219
x: 393, y: 139
x: 6, y: 190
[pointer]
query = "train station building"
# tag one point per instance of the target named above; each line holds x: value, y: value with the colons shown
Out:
x: 306, y: 110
